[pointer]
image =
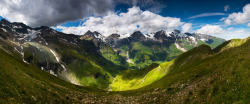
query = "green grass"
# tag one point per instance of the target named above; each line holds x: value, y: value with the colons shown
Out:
x: 87, y: 66
x: 145, y: 53
x: 82, y: 61
x: 111, y: 55
x: 78, y: 66
x: 203, y: 75
x: 87, y: 74
x: 134, y: 79
x: 216, y: 42
x: 235, y: 43
x: 25, y: 83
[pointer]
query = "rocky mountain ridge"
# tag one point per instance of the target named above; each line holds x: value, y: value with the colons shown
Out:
x: 155, y: 47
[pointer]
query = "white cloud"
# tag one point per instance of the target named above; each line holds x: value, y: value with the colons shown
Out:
x: 230, y: 33
x: 240, y: 31
x: 248, y: 24
x: 228, y: 21
x: 226, y: 8
x: 231, y: 28
x: 210, y: 29
x: 52, y: 12
x: 187, y: 27
x: 240, y: 17
x: 206, y: 15
x: 154, y: 6
x: 134, y: 20
x: 241, y: 34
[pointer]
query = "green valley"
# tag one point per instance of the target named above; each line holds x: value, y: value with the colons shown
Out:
x: 196, y: 76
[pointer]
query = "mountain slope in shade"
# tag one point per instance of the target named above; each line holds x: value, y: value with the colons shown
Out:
x: 63, y: 55
x: 25, y: 83
x: 105, y: 50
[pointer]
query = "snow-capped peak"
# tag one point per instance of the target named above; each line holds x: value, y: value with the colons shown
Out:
x: 150, y: 35
x: 30, y: 35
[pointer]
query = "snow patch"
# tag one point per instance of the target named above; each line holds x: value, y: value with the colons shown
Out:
x: 128, y: 59
x: 100, y: 37
x: 124, y: 36
x: 23, y: 58
x: 179, y: 47
x: 44, y: 41
x: 31, y: 35
x: 150, y: 35
x: 204, y: 40
x: 193, y: 39
x: 4, y: 29
x: 39, y: 49
x: 57, y: 59
x: 15, y: 49
x: 51, y: 72
x: 17, y: 27
x: 22, y: 47
x: 63, y: 67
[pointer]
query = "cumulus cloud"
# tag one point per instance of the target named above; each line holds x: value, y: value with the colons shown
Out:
x: 154, y: 6
x: 210, y: 29
x: 51, y: 12
x: 226, y: 8
x: 187, y: 27
x: 234, y: 34
x: 206, y: 15
x: 229, y: 33
x: 240, y: 17
x: 134, y: 20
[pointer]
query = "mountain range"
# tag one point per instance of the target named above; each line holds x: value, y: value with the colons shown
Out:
x: 37, y: 64
x: 140, y: 50
x: 93, y: 59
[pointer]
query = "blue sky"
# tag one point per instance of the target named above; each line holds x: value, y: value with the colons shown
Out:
x: 187, y: 8
x: 213, y: 17
x: 182, y: 10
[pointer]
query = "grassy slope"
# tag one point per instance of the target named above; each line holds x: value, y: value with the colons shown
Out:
x: 144, y: 54
x: 22, y: 82
x: 216, y: 42
x: 81, y: 68
x: 201, y: 75
x: 80, y: 62
x: 134, y: 79
x: 121, y: 83
x: 86, y: 69
x: 148, y: 53
x: 230, y: 44
x: 111, y: 55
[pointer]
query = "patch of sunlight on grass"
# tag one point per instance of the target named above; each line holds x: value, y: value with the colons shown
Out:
x: 122, y: 84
